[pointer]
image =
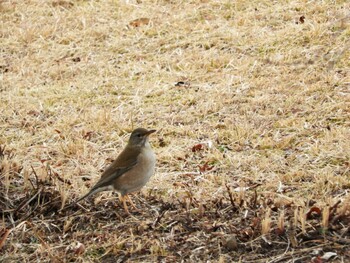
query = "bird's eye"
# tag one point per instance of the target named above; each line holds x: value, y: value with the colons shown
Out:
x: 139, y: 135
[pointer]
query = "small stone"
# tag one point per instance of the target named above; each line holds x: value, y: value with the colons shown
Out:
x: 231, y: 243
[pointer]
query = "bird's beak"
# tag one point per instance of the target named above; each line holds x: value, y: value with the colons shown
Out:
x: 149, y: 132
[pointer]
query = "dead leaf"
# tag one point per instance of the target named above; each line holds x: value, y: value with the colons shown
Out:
x: 182, y: 84
x: 248, y: 232
x: 67, y: 224
x: 301, y: 20
x: 283, y: 201
x: 76, y: 59
x: 313, y: 212
x: 205, y: 167
x: 79, y: 249
x: 179, y: 184
x: 187, y: 175
x: 317, y: 259
x: 33, y: 113
x: 140, y: 22
x: 279, y: 231
x: 328, y: 255
x: 255, y: 222
x: 198, y: 147
x: 88, y: 135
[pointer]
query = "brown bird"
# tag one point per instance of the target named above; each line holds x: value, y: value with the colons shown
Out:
x: 131, y: 170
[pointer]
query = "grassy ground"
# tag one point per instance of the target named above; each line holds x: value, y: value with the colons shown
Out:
x: 252, y: 106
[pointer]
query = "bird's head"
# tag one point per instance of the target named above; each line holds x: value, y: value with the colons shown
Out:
x: 139, y: 136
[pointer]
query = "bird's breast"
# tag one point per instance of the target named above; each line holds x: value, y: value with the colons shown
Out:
x: 139, y: 175
x: 146, y: 163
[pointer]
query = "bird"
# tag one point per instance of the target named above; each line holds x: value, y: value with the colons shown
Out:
x: 131, y: 170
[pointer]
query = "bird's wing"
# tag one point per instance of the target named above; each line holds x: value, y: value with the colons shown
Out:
x: 125, y: 161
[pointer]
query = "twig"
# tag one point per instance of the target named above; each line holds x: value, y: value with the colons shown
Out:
x: 255, y: 198
x: 2, y: 151
x: 333, y: 209
x: 159, y: 217
x: 339, y: 240
x: 3, y: 239
x: 230, y: 195
x: 65, y: 181
x: 36, y: 178
x: 26, y: 203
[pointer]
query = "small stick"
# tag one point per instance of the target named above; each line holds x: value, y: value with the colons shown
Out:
x: 230, y: 195
x: 3, y: 239
x: 26, y: 203
x: 36, y: 178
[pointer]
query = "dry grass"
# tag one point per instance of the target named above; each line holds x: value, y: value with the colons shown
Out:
x: 262, y: 86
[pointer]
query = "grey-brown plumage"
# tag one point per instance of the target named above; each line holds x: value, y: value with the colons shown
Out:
x: 131, y: 170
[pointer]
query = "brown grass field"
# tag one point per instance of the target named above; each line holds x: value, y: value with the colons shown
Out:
x: 251, y: 102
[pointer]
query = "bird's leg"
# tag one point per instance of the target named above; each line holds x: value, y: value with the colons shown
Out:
x: 123, y: 200
x: 132, y: 203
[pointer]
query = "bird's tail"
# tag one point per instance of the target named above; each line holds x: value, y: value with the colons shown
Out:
x: 91, y: 192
